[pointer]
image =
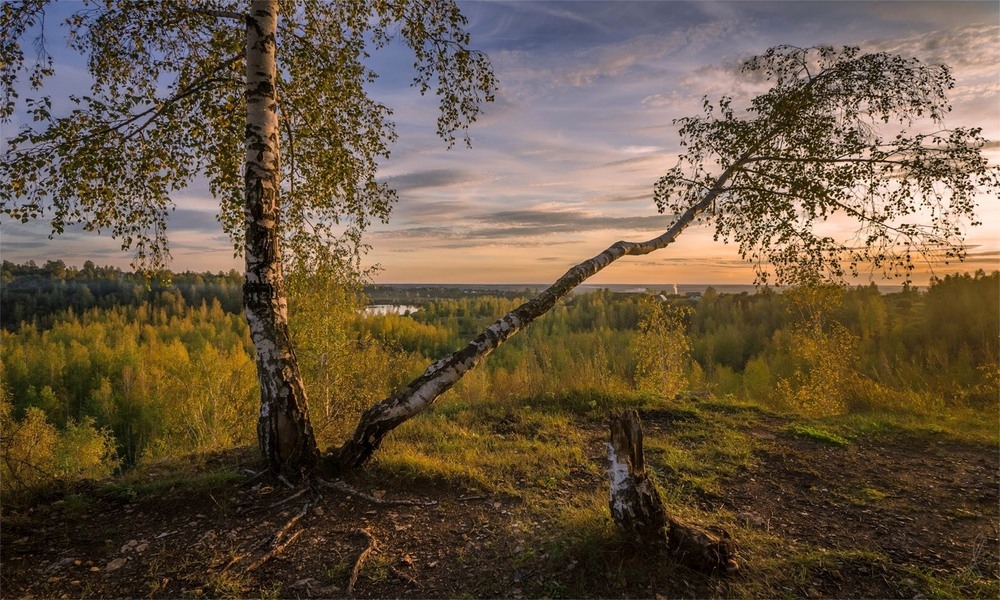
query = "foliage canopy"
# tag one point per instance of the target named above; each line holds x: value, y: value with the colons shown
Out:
x: 831, y: 139
x: 167, y: 104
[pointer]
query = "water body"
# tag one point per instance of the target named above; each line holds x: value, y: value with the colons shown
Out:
x: 390, y: 309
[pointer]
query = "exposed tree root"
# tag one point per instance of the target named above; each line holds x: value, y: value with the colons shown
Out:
x: 274, y: 551
x: 290, y: 498
x: 288, y: 525
x: 361, y: 560
x: 340, y: 486
x: 278, y: 542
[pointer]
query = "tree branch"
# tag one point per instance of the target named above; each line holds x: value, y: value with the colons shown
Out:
x: 220, y: 14
x: 156, y: 110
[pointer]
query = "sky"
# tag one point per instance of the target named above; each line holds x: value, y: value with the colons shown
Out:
x: 562, y: 165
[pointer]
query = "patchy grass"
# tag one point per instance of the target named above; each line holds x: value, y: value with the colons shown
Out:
x: 521, y: 510
x: 816, y: 434
x: 137, y: 486
x: 490, y: 447
x: 957, y: 424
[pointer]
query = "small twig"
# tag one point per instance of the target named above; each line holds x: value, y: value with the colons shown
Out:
x: 471, y: 498
x: 361, y: 559
x: 340, y: 486
x: 234, y: 560
x: 285, y: 481
x: 404, y: 577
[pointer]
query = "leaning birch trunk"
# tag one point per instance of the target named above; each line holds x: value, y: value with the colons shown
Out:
x: 637, y: 510
x: 283, y: 429
x: 386, y: 415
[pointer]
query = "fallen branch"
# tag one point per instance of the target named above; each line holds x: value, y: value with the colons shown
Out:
x: 340, y: 486
x: 470, y: 498
x: 361, y: 559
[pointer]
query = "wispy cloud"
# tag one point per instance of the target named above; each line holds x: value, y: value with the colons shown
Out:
x: 429, y: 179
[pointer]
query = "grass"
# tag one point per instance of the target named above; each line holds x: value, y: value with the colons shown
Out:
x: 957, y: 424
x: 968, y: 583
x: 545, y: 459
x: 137, y: 487
x: 816, y: 434
x: 491, y: 447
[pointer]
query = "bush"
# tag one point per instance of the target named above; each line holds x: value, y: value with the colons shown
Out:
x: 35, y: 455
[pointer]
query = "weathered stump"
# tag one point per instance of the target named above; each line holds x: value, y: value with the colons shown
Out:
x: 637, y: 509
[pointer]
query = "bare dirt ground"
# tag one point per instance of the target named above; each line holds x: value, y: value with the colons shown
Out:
x: 879, y: 520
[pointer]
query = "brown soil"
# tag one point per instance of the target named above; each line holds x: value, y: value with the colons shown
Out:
x: 907, y: 506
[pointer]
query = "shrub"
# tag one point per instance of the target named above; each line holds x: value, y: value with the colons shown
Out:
x: 34, y: 454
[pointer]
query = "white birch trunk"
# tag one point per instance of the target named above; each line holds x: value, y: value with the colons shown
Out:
x: 283, y: 429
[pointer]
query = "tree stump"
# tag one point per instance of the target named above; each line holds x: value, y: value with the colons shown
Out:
x: 638, y: 511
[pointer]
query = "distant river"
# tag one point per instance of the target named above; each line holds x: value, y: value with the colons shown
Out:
x: 390, y: 309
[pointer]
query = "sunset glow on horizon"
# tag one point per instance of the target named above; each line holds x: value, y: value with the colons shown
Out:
x: 562, y: 165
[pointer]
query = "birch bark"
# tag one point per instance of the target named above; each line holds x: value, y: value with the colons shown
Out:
x: 283, y: 429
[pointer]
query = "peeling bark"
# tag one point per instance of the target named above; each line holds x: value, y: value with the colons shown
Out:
x: 386, y: 415
x: 635, y: 504
x: 638, y: 511
x: 283, y: 429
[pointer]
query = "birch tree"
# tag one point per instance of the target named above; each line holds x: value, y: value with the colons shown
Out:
x: 661, y: 347
x: 216, y: 89
x: 839, y: 135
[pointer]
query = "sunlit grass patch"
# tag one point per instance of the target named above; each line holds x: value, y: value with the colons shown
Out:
x: 697, y: 454
x: 816, y: 434
x: 734, y: 405
x: 967, y: 583
x: 591, y: 402
x: 772, y: 566
x: 869, y: 494
x: 959, y: 424
x: 490, y: 447
x: 134, y: 486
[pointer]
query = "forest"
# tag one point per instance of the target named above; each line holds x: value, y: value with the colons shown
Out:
x: 778, y: 415
x: 110, y: 372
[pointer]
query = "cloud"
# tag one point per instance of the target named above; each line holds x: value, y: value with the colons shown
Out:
x: 187, y: 219
x: 522, y: 225
x: 429, y: 179
x: 27, y: 245
x: 971, y: 49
